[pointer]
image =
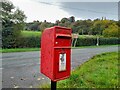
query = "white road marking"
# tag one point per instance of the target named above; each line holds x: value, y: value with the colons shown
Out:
x: 11, y: 77
x: 16, y: 86
x: 31, y: 86
x: 38, y: 79
x: 42, y: 78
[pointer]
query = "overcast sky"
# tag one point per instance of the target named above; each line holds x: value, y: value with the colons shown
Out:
x: 51, y: 11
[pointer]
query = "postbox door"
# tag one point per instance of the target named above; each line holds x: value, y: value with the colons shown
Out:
x: 62, y: 62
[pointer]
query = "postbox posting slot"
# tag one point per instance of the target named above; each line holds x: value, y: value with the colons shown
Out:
x: 63, y: 36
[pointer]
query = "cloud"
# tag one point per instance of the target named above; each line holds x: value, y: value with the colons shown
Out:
x: 91, y: 10
x: 78, y: 0
x: 39, y: 11
x: 51, y: 11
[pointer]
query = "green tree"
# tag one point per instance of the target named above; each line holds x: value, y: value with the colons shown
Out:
x: 12, y: 23
x: 63, y: 20
x: 72, y: 19
x: 83, y: 26
x: 43, y: 26
x: 35, y: 26
x: 100, y: 25
x: 111, y: 31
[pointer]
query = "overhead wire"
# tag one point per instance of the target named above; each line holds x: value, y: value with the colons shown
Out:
x: 76, y: 8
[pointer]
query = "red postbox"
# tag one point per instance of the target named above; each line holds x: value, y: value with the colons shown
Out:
x: 56, y: 53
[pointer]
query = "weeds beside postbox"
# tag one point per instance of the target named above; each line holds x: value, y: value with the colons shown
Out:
x: 56, y: 53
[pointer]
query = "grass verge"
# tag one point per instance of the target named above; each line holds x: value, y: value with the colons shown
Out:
x: 92, y: 46
x: 37, y: 49
x: 101, y: 71
x: 19, y: 50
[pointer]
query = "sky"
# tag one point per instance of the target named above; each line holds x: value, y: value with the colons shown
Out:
x: 57, y: 9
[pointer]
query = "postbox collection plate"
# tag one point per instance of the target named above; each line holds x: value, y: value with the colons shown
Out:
x: 62, y: 62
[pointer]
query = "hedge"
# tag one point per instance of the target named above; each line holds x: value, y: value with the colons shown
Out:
x: 31, y: 42
x: 23, y: 42
x: 93, y: 41
x: 86, y: 41
x: 109, y: 41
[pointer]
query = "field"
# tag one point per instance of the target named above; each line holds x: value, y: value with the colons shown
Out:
x: 30, y: 33
x: 38, y: 33
x: 84, y: 36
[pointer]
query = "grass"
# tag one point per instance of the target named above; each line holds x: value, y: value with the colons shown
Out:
x: 84, y: 36
x: 31, y: 33
x: 93, y: 46
x: 19, y: 50
x: 101, y: 71
x: 37, y: 49
x: 38, y: 33
x: 89, y: 36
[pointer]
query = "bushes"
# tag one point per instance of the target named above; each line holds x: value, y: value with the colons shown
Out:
x: 86, y: 41
x: 28, y: 42
x: 31, y: 42
x: 9, y: 36
x: 109, y: 41
x: 93, y: 41
x: 25, y: 42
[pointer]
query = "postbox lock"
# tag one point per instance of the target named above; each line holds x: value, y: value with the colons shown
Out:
x: 62, y: 61
x: 56, y: 42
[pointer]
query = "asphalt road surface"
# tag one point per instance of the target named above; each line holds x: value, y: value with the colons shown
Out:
x: 21, y: 69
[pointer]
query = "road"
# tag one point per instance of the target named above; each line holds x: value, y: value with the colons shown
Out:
x: 21, y: 69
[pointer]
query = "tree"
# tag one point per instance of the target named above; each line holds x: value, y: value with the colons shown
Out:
x: 18, y: 16
x: 43, y: 26
x: 72, y: 19
x: 63, y: 20
x: 100, y: 25
x: 57, y: 22
x: 83, y: 26
x: 35, y: 26
x: 111, y: 31
x: 12, y: 23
